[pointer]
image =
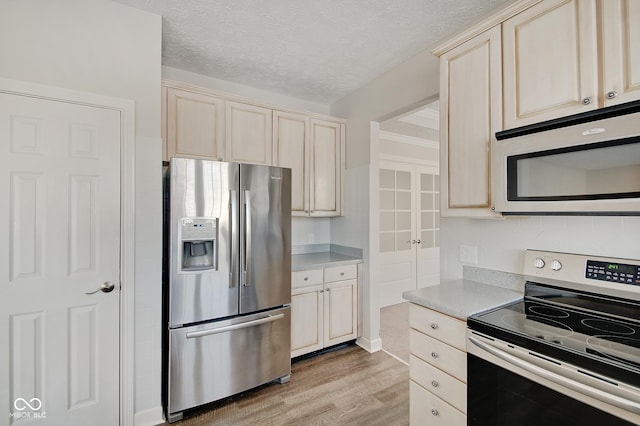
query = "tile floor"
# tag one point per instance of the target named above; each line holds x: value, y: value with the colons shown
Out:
x: 394, y: 330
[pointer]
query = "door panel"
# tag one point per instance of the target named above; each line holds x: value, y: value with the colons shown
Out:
x: 409, y: 229
x: 60, y: 179
x: 201, y: 192
x: 228, y: 350
x: 265, y: 243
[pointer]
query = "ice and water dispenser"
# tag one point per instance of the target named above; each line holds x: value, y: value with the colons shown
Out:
x: 198, y: 241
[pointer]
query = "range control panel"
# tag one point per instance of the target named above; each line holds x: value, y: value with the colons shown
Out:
x: 611, y: 276
x: 614, y: 272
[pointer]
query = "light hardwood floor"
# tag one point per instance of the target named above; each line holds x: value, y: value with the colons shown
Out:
x: 348, y: 386
x: 394, y: 330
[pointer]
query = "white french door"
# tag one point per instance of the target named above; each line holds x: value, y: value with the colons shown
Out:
x: 409, y: 229
x: 60, y: 233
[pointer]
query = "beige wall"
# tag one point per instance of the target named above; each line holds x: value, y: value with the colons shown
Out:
x: 109, y: 49
x: 406, y: 86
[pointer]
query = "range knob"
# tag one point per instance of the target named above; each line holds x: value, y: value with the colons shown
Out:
x: 556, y: 265
x: 538, y: 263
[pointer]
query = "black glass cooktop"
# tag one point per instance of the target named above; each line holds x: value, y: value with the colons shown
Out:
x: 589, y: 331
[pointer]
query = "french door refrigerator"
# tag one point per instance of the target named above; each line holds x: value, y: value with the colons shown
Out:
x: 226, y: 279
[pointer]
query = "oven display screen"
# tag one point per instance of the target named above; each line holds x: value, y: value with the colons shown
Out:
x: 614, y: 272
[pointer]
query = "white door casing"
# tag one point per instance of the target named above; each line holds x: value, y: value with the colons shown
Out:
x: 60, y: 172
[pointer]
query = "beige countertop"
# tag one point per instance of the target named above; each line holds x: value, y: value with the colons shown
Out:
x: 462, y: 298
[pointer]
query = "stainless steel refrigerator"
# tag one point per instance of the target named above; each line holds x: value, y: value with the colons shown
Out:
x: 227, y: 280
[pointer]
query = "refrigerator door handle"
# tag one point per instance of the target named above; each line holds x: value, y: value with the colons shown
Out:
x: 233, y: 251
x: 201, y: 333
x: 247, y: 235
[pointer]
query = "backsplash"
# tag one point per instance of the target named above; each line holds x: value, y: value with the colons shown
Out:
x: 495, y: 278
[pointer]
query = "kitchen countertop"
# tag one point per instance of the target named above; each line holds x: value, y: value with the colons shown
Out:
x: 302, y: 262
x: 462, y: 298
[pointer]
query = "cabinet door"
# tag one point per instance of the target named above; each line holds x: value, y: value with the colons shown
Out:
x: 291, y: 149
x: 248, y: 130
x: 471, y: 113
x: 307, y: 312
x: 621, y: 51
x: 195, y: 125
x: 340, y: 312
x: 326, y: 168
x: 550, y: 62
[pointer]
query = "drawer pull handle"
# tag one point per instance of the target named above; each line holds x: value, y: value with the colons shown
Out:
x: 434, y: 325
x: 434, y: 355
x: 434, y: 412
x: 435, y: 384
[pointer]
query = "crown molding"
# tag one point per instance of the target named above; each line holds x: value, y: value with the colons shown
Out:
x: 397, y: 137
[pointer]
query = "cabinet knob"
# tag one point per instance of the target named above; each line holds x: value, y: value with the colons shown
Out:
x: 341, y: 273
x: 434, y: 355
x: 434, y: 325
x: 435, y: 384
x: 586, y: 101
x: 612, y: 94
x: 306, y: 278
x: 434, y: 412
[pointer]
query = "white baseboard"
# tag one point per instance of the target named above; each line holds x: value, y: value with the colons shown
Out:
x: 150, y: 417
x: 369, y: 345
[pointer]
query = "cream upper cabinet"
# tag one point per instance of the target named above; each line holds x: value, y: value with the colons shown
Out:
x: 291, y: 149
x: 471, y: 113
x: 194, y: 125
x: 550, y: 62
x: 620, y: 51
x: 248, y: 133
x: 312, y: 148
x: 325, y: 194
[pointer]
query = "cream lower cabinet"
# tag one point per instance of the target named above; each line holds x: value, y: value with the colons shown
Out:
x: 438, y: 368
x: 324, y: 308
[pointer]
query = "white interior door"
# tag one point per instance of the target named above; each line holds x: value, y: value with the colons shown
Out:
x: 60, y: 233
x: 409, y: 229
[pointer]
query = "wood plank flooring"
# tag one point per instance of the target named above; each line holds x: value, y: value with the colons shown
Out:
x: 348, y: 386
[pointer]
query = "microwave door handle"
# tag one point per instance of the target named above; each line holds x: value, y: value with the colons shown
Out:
x: 233, y: 227
x: 584, y: 389
x: 247, y: 237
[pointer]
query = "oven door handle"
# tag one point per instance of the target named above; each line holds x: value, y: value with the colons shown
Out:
x: 599, y: 394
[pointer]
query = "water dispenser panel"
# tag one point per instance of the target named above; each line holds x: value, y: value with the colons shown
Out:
x: 199, y: 244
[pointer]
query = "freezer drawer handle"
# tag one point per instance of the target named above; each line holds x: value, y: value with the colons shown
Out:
x: 270, y: 318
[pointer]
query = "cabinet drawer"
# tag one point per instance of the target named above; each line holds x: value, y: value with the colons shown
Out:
x: 306, y: 278
x: 339, y: 273
x: 426, y: 408
x: 440, y: 355
x: 444, y: 386
x: 439, y: 326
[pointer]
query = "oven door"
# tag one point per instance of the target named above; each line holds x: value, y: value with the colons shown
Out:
x: 507, y: 385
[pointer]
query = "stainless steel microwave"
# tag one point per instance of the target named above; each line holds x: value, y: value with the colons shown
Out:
x: 584, y: 164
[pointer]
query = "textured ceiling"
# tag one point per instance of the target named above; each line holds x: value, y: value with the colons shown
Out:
x: 317, y: 50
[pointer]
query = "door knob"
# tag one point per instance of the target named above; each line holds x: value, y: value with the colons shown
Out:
x: 106, y: 287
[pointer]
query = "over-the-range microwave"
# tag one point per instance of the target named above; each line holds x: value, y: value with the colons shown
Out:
x: 584, y: 164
